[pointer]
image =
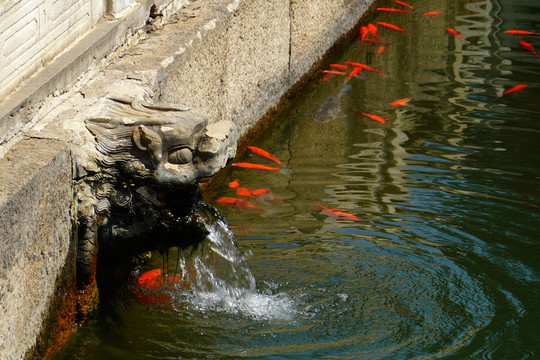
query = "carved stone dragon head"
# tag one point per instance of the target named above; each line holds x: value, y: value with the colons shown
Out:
x: 164, y: 144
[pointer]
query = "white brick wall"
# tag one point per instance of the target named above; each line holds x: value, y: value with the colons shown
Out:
x: 32, y: 32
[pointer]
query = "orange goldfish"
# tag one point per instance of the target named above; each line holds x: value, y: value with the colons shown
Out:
x: 521, y: 32
x: 365, y: 67
x: 392, y: 10
x: 243, y: 191
x: 454, y: 33
x: 246, y: 165
x: 257, y: 192
x: 338, y: 213
x: 370, y: 116
x: 334, y: 72
x: 324, y: 78
x: 363, y: 32
x: 391, y: 26
x: 404, y: 4
x: 233, y: 184
x: 401, y: 102
x: 355, y: 71
x: 372, y: 30
x: 265, y: 154
x: 375, y: 41
x: 431, y: 13
x: 339, y: 66
x: 516, y: 88
x: 380, y: 49
x: 527, y: 47
x: 239, y: 203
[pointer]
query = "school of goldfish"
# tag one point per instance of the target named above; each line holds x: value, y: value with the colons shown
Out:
x: 371, y: 34
x: 264, y: 195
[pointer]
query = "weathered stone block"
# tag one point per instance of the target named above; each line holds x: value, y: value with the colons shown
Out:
x: 35, y: 202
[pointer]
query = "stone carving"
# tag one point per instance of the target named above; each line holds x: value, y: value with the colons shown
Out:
x: 143, y: 158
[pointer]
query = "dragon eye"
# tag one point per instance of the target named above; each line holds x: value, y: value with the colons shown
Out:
x: 180, y: 156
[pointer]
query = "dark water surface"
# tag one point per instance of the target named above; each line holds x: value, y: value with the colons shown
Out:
x: 443, y: 261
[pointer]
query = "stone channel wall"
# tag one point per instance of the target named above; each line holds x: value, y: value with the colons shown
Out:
x: 229, y: 59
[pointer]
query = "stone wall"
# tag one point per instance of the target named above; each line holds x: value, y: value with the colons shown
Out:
x: 229, y: 59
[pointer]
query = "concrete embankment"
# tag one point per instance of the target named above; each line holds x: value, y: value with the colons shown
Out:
x: 229, y: 59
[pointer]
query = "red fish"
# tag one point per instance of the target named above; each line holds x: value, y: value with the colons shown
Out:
x: 363, y: 32
x: 375, y: 41
x: 339, y: 66
x: 150, y: 279
x: 150, y: 284
x: 324, y: 78
x: 258, y: 192
x: 265, y: 154
x: 334, y: 72
x: 370, y: 116
x: 365, y: 67
x: 391, y: 26
x: 233, y: 184
x: 355, y: 71
x: 239, y: 203
x: 516, y: 88
x: 404, y: 4
x: 380, y: 49
x: 392, y: 10
x: 527, y: 47
x: 521, y: 32
x: 401, y: 102
x: 431, y: 13
x: 338, y: 213
x: 246, y: 165
x: 455, y: 33
x: 372, y: 30
x: 243, y: 191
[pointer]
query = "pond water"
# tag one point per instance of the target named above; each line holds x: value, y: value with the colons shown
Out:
x: 443, y: 260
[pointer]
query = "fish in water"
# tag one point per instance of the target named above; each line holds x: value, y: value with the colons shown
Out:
x: 527, y: 47
x: 355, y: 71
x: 370, y: 116
x: 375, y: 41
x: 234, y: 184
x: 340, y: 214
x: 239, y: 203
x: 334, y: 72
x: 455, y: 33
x: 365, y: 67
x: 401, y: 102
x: 431, y: 13
x: 404, y: 4
x: 339, y: 66
x: 243, y: 191
x: 392, y: 10
x: 152, y: 287
x: 391, y: 26
x: 246, y: 165
x: 372, y: 30
x: 514, y: 89
x: 330, y: 108
x: 363, y: 32
x: 264, y: 154
x: 380, y: 49
x: 521, y: 32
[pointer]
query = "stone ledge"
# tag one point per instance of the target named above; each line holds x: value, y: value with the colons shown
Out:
x: 35, y: 201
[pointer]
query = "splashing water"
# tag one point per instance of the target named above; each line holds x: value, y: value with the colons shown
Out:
x: 219, y: 277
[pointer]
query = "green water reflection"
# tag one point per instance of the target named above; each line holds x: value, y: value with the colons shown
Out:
x: 443, y: 261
